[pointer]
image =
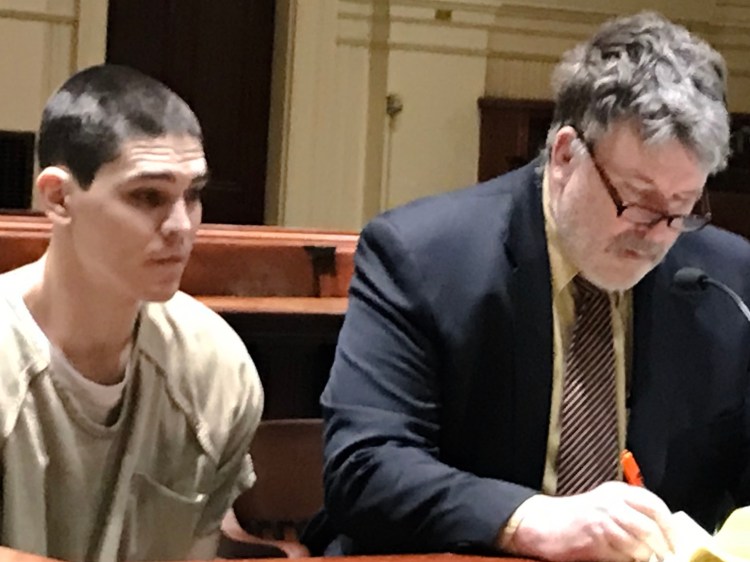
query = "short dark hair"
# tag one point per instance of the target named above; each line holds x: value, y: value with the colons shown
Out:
x: 86, y: 121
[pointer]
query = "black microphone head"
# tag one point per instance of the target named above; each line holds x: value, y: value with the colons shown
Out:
x: 690, y: 279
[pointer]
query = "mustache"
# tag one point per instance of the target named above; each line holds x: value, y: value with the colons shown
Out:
x: 634, y: 242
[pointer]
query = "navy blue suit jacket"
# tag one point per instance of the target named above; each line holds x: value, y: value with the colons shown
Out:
x: 437, y: 408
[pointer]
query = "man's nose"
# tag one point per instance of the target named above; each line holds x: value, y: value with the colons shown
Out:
x: 660, y: 233
x: 178, y: 219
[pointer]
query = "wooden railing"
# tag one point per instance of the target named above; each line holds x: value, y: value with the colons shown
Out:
x: 227, y: 261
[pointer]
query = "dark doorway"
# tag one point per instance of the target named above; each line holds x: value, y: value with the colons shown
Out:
x: 16, y: 170
x: 216, y: 54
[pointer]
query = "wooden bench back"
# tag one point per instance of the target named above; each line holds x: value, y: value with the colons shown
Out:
x: 240, y: 261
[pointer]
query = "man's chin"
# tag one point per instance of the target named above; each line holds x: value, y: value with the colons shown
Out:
x: 622, y: 282
x: 160, y: 294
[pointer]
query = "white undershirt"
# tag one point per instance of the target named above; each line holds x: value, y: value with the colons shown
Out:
x: 96, y: 400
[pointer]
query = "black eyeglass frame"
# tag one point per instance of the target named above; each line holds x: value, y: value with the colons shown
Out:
x: 690, y: 222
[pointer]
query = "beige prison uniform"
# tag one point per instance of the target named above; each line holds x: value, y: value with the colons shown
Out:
x: 162, y: 475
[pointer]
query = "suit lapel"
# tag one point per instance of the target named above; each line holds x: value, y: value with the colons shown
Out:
x: 664, y: 358
x: 531, y: 305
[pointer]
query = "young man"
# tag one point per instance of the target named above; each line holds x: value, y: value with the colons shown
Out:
x: 494, y: 360
x: 126, y: 407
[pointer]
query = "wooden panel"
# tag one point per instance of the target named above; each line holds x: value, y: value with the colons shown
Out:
x: 511, y: 133
x: 217, y: 56
x: 240, y: 261
x: 736, y: 178
x: 16, y: 169
x: 23, y: 239
x: 331, y: 306
x: 731, y: 211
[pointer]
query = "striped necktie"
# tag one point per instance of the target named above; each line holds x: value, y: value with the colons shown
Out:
x: 588, y: 454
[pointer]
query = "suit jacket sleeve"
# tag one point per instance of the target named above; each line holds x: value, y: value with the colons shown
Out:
x: 386, y: 485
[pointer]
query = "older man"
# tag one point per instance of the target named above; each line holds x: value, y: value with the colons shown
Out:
x: 505, y: 343
x: 126, y: 407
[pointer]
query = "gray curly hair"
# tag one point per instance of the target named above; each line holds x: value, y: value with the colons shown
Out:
x: 646, y: 69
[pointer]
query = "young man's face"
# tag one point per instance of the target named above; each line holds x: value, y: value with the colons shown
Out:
x: 132, y: 230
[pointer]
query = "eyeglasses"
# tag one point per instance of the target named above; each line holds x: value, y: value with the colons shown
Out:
x: 644, y: 216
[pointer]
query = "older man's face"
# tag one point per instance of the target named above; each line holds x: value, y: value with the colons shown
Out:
x: 610, y: 251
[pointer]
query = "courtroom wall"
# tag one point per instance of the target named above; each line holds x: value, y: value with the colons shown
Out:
x: 374, y: 102
x: 41, y: 43
x: 339, y: 157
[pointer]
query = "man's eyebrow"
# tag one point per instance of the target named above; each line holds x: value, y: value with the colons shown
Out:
x: 153, y: 176
x: 650, y: 188
x: 201, y: 180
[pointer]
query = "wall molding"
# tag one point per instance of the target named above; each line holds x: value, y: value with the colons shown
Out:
x: 489, y: 6
x: 73, y: 22
x: 280, y: 115
x: 732, y: 4
x: 520, y: 9
x: 23, y: 15
x: 471, y: 52
x: 463, y: 25
x: 531, y: 16
x: 75, y: 36
x: 707, y: 27
x: 559, y: 13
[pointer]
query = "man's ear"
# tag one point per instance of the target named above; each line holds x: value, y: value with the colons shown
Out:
x: 54, y: 185
x: 561, y: 158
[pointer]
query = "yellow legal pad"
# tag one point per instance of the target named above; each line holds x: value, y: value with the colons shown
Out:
x: 693, y: 544
x: 730, y: 544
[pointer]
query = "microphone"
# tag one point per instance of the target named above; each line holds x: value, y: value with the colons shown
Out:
x: 692, y: 279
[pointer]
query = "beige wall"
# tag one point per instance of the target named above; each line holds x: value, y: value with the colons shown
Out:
x: 337, y: 158
x: 345, y: 159
x: 41, y: 43
x: 527, y: 40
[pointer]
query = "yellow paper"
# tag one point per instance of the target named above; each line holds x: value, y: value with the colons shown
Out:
x: 730, y: 544
x: 734, y: 537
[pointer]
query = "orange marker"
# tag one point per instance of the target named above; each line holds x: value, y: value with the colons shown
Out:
x: 630, y: 469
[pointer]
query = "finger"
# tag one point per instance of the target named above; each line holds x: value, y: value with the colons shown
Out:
x: 647, y: 502
x: 646, y: 535
x: 623, y: 543
x: 665, y: 524
x: 653, y: 507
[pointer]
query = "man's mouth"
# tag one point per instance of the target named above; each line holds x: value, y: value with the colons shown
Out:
x: 169, y: 260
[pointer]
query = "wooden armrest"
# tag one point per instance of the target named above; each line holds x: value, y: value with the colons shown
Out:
x: 237, y: 543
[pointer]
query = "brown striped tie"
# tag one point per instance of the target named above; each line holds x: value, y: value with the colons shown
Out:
x: 588, y: 454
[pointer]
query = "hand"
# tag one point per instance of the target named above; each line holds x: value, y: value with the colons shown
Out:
x: 613, y: 522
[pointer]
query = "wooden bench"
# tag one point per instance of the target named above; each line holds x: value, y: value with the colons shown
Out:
x: 227, y: 261
x: 283, y: 290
